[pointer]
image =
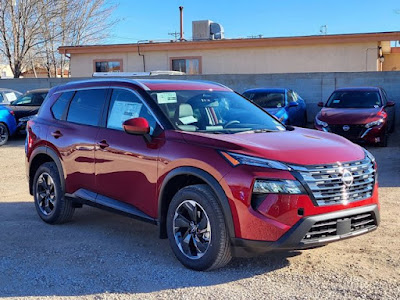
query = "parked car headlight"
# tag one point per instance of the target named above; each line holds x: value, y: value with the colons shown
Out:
x: 262, y: 186
x: 374, y: 123
x: 320, y: 123
x: 26, y: 119
x: 236, y: 159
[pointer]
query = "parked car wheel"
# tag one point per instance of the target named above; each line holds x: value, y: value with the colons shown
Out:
x: 196, y: 229
x: 4, y: 134
x: 50, y: 202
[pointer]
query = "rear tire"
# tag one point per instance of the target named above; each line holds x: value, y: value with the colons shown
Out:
x: 4, y: 134
x: 196, y: 229
x: 50, y: 202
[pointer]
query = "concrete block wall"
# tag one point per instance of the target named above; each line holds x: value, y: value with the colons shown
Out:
x: 312, y: 87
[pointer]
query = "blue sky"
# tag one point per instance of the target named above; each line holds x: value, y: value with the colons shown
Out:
x: 153, y: 20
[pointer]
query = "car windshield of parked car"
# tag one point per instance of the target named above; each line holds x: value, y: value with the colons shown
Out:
x: 354, y: 99
x: 213, y: 112
x: 31, y: 99
x: 267, y: 99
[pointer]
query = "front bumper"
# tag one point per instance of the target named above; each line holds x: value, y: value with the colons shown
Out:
x: 357, y: 133
x: 337, y: 225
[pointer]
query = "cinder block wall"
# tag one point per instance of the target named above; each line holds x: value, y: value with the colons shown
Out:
x: 313, y: 87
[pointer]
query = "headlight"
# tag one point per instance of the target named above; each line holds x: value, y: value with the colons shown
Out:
x: 374, y: 123
x: 26, y: 119
x: 277, y: 187
x: 369, y: 155
x: 321, y: 123
x: 239, y: 159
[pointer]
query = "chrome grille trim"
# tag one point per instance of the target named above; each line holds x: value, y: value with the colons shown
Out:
x: 326, y: 184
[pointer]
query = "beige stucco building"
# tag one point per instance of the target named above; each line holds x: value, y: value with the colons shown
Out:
x: 322, y: 53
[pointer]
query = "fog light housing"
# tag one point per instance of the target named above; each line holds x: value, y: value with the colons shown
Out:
x: 262, y: 186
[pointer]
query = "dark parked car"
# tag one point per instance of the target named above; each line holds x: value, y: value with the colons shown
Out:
x: 286, y: 105
x: 217, y: 174
x: 7, y: 96
x: 362, y: 114
x: 27, y: 105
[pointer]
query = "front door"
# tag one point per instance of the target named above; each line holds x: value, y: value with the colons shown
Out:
x: 126, y: 165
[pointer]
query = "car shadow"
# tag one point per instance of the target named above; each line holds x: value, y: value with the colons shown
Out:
x: 99, y: 252
x: 17, y: 140
x: 388, y: 160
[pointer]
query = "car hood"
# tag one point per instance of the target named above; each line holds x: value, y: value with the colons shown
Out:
x: 348, y: 115
x: 300, y: 146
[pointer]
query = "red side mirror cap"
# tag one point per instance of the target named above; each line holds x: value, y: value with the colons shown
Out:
x: 136, y: 126
x: 390, y: 103
x: 321, y: 104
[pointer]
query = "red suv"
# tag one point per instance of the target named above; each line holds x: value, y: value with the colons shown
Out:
x: 217, y: 174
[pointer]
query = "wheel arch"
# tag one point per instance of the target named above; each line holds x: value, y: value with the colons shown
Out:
x: 186, y: 176
x: 40, y: 156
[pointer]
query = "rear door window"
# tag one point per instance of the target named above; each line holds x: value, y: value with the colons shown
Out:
x: 87, y: 107
x: 61, y: 104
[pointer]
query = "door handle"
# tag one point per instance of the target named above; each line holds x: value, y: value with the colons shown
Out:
x: 103, y: 144
x: 57, y: 134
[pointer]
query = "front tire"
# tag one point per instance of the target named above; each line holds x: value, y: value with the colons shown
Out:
x: 50, y: 202
x: 4, y: 134
x: 196, y: 229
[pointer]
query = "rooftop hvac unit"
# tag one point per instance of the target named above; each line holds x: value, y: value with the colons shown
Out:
x: 207, y: 30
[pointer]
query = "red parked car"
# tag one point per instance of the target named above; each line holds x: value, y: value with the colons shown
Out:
x: 360, y: 114
x: 215, y: 173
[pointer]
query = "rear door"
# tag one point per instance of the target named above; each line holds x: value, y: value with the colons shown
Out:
x: 126, y: 165
x: 78, y: 117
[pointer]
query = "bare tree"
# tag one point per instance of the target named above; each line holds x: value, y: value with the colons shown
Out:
x: 32, y: 30
x: 20, y: 29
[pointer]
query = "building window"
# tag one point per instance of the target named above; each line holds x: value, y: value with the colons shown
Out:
x: 114, y: 65
x: 188, y: 65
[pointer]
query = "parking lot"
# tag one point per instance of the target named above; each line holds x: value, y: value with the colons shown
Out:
x: 100, y: 255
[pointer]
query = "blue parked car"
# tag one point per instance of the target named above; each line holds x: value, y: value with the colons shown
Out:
x: 8, y: 124
x: 285, y: 104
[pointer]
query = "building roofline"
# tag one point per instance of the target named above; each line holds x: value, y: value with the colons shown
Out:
x: 236, y: 43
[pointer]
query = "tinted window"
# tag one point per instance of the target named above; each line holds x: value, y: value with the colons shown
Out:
x: 126, y: 105
x: 290, y: 97
x: 354, y: 99
x: 61, y: 104
x: 385, y: 97
x: 1, y: 98
x: 87, y: 106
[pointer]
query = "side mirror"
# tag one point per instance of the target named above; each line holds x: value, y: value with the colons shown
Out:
x: 321, y: 104
x: 293, y: 104
x: 137, y: 126
x: 390, y: 103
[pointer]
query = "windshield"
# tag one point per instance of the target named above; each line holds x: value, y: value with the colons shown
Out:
x: 267, y: 99
x: 31, y: 99
x: 213, y: 111
x: 354, y: 99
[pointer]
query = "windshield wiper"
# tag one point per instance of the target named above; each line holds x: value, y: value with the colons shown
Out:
x: 257, y: 131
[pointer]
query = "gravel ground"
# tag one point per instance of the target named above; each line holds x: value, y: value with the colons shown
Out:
x: 105, y: 256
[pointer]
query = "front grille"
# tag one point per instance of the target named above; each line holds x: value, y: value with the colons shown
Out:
x: 354, y: 132
x: 329, y: 186
x: 329, y: 229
